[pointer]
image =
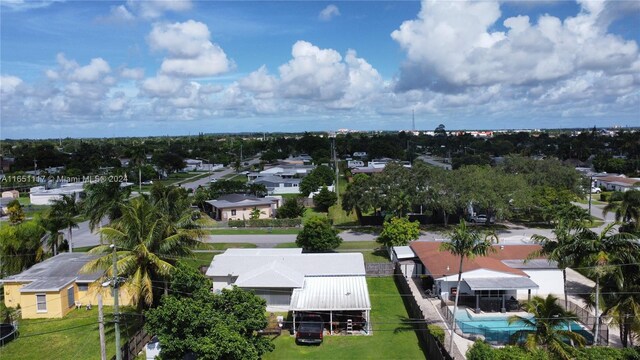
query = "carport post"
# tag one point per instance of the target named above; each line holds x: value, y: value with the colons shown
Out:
x: 294, y: 322
x: 330, y: 322
x: 368, y: 322
x: 529, y: 294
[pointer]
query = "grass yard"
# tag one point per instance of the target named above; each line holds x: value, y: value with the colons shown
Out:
x: 392, y: 337
x: 73, y: 337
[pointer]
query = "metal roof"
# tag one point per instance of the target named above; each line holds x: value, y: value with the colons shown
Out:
x: 282, y: 267
x: 404, y: 252
x: 56, y: 272
x: 323, y: 293
x: 531, y: 264
x: 238, y: 200
x: 51, y: 284
x: 501, y: 283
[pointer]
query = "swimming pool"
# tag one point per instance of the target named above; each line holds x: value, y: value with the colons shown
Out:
x: 496, y: 329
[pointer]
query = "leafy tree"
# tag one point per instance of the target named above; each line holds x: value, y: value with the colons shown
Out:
x: 291, y: 209
x: 627, y: 210
x: 20, y: 247
x: 200, y: 196
x: 169, y: 162
x: 63, y: 211
x: 257, y: 190
x: 466, y: 243
x: 318, y: 235
x: 549, y: 327
x: 358, y: 196
x: 440, y: 130
x: 399, y: 232
x: 325, y: 175
x: 225, y: 187
x: 325, y: 199
x: 209, y: 326
x: 148, y: 243
x: 103, y: 199
x: 16, y: 214
x: 309, y: 184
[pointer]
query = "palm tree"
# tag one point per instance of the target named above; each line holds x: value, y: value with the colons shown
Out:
x: 627, y: 210
x: 466, y: 243
x: 561, y: 249
x: 138, y: 158
x: 104, y: 200
x: 149, y: 243
x: 621, y: 298
x: 20, y: 247
x: 550, y: 327
x: 64, y: 211
x: 600, y: 252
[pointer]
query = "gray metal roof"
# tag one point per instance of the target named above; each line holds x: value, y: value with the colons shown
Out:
x: 404, y: 252
x: 531, y: 264
x: 258, y: 268
x: 322, y: 293
x: 501, y: 283
x: 238, y: 200
x: 56, y: 272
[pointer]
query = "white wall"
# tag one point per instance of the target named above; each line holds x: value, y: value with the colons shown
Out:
x: 549, y: 281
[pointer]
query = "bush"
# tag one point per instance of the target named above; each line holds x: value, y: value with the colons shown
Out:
x: 437, y: 332
x: 605, y: 196
x: 483, y: 351
x: 616, y: 196
x: 255, y: 223
x: 318, y: 235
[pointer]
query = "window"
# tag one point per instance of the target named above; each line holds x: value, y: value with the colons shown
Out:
x: 41, y: 303
x: 83, y: 287
x: 71, y: 299
x: 233, y: 212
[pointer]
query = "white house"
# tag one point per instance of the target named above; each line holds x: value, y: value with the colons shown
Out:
x: 41, y: 196
x: 276, y: 185
x: 489, y: 281
x: 617, y: 183
x: 289, y: 280
x: 288, y: 171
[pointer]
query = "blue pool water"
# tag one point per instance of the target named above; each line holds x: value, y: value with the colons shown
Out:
x: 497, y: 329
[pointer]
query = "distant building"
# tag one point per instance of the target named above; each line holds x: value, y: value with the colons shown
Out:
x: 617, y: 183
x: 276, y: 185
x: 39, y: 195
x: 288, y: 171
x: 240, y: 206
x: 355, y: 164
x: 12, y: 194
x: 360, y: 154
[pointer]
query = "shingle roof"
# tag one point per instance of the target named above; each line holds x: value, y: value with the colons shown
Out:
x: 443, y: 263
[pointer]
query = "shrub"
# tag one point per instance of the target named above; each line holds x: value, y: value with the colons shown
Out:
x: 437, y: 332
x: 616, y: 196
x: 254, y: 223
x: 605, y: 196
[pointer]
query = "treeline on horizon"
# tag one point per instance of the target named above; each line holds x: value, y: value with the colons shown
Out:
x: 614, y: 154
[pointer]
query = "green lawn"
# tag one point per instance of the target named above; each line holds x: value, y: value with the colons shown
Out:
x: 73, y: 337
x: 273, y: 231
x: 392, y: 337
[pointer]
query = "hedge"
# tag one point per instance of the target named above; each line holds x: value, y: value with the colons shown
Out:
x: 258, y: 223
x: 483, y: 351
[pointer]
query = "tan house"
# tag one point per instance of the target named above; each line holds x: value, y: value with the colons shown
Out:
x: 54, y: 287
x: 239, y: 207
x: 11, y: 194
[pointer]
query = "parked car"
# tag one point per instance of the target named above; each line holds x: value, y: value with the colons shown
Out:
x: 148, y: 182
x: 481, y: 219
x: 311, y: 330
x: 595, y: 190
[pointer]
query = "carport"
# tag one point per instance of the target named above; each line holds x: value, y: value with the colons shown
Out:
x: 332, y: 294
x: 501, y: 287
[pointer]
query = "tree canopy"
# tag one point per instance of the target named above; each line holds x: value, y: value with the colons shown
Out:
x: 318, y: 235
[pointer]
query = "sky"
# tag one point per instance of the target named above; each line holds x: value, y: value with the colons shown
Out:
x: 158, y: 67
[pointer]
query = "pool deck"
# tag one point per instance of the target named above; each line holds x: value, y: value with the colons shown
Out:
x: 491, y: 315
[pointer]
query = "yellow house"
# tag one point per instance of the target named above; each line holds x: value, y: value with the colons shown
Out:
x: 54, y: 287
x: 239, y: 207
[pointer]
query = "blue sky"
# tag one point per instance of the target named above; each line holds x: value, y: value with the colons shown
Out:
x: 124, y: 68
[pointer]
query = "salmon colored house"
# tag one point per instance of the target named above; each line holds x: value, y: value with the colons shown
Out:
x: 54, y: 287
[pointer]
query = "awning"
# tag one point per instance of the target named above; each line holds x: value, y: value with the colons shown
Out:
x: 501, y: 283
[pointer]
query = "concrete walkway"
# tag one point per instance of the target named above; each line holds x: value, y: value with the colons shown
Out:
x: 429, y: 308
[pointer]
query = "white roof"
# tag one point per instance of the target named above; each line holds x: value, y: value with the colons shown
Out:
x: 331, y: 293
x: 260, y: 268
x: 404, y: 252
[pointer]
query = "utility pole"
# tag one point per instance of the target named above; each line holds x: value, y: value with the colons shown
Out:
x: 103, y: 345
x: 590, y: 186
x: 116, y: 308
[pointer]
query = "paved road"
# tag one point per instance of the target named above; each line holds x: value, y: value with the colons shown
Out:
x: 215, y: 175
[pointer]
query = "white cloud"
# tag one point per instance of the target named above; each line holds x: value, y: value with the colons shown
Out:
x: 92, y: 72
x: 161, y: 86
x: 135, y: 73
x: 450, y: 46
x: 259, y: 81
x: 329, y: 13
x: 313, y: 73
x: 151, y: 9
x: 118, y: 14
x: 9, y: 84
x: 190, y: 52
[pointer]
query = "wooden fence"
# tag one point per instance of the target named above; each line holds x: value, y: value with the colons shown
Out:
x: 135, y: 344
x: 434, y: 350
